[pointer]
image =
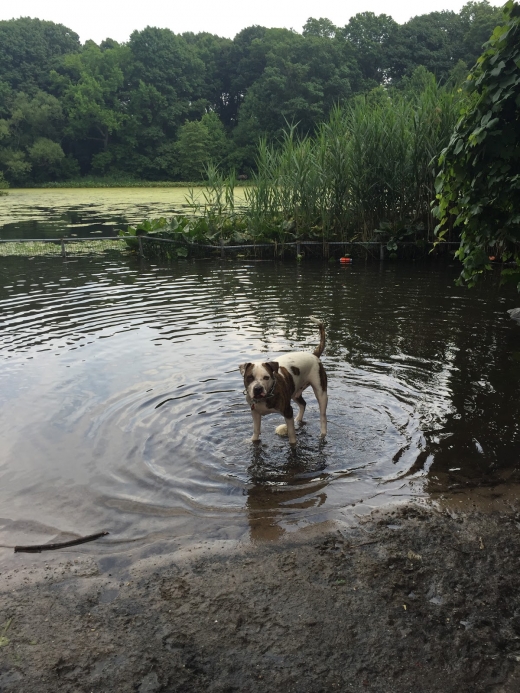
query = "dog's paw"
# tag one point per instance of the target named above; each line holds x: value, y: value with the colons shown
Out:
x: 281, y: 430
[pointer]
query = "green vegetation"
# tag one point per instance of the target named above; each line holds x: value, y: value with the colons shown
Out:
x: 42, y: 248
x: 4, y: 185
x: 117, y: 182
x: 479, y: 182
x: 365, y: 175
x: 163, y: 106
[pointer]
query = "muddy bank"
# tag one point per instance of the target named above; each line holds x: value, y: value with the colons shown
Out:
x: 415, y: 600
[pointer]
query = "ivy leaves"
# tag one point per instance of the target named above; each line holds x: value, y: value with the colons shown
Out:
x: 478, y: 186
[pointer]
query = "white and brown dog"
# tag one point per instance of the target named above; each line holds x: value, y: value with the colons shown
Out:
x: 271, y: 386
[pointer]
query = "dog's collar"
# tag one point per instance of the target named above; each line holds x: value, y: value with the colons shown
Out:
x: 270, y: 394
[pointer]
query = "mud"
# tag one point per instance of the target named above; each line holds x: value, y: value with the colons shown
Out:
x: 414, y: 600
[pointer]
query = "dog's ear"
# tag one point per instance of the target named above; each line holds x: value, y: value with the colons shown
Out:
x: 243, y: 367
x: 273, y: 365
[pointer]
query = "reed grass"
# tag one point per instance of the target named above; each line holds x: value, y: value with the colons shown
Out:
x: 368, y: 173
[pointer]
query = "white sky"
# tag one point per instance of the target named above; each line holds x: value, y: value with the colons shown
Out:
x: 99, y: 19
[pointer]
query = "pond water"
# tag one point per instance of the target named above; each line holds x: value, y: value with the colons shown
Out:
x: 85, y: 212
x: 122, y: 403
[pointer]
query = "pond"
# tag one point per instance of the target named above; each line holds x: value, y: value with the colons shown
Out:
x: 85, y: 212
x: 122, y: 403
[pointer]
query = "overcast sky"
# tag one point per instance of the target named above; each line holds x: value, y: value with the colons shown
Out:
x: 99, y: 19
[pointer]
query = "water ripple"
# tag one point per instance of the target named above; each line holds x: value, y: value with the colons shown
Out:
x: 141, y: 421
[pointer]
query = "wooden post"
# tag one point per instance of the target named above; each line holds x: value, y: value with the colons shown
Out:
x: 275, y: 249
x: 381, y: 252
x: 222, y: 255
x: 298, y: 253
x: 63, y: 253
x: 141, y: 253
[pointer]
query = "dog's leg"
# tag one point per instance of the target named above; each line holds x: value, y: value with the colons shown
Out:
x: 257, y: 422
x: 322, y: 401
x: 291, y: 431
x: 302, y: 404
x: 288, y: 429
x: 289, y: 422
x: 320, y: 390
x: 323, y: 398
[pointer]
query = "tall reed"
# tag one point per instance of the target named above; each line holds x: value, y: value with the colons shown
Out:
x: 369, y: 169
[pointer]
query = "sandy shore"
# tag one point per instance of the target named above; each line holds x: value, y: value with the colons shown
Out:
x: 413, y: 600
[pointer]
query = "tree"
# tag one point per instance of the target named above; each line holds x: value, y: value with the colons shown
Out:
x: 215, y: 52
x: 247, y: 61
x: 322, y: 28
x: 435, y: 40
x: 4, y: 185
x: 191, y: 150
x: 30, y: 49
x: 370, y: 35
x: 46, y: 158
x: 30, y: 122
x: 199, y: 143
x: 119, y: 109
x: 478, y: 186
x: 304, y: 76
x: 169, y: 63
x: 38, y: 116
x: 479, y: 20
x: 217, y: 140
x: 90, y: 85
x: 14, y: 165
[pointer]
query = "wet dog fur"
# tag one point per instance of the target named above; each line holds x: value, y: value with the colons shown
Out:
x: 271, y: 386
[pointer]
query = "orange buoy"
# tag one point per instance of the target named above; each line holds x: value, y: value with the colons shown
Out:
x: 345, y: 260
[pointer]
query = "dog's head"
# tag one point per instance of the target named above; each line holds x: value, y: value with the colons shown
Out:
x: 259, y: 378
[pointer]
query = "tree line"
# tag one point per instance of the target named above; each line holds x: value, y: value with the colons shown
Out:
x: 163, y: 105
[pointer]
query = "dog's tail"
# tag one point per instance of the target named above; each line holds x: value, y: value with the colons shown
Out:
x: 321, y: 346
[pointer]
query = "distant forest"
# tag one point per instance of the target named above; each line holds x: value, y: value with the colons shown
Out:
x: 163, y: 105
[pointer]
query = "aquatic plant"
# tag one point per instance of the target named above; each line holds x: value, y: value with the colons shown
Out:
x: 367, y: 175
x: 369, y: 169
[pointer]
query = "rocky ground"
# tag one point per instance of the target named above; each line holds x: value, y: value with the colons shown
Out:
x: 416, y: 600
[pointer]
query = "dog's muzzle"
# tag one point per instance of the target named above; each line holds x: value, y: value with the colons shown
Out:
x: 258, y: 393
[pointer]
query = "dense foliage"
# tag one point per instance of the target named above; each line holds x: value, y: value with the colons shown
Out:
x: 366, y: 175
x: 368, y: 168
x: 162, y: 105
x: 479, y: 182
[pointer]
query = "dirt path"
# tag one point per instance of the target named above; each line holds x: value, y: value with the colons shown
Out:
x: 413, y: 601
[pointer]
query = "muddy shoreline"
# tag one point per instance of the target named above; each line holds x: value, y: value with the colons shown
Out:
x: 409, y: 600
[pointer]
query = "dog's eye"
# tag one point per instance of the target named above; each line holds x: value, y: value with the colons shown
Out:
x: 266, y: 377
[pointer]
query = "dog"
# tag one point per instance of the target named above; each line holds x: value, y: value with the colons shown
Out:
x: 270, y: 387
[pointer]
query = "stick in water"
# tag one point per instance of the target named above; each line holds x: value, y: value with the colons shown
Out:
x: 38, y: 548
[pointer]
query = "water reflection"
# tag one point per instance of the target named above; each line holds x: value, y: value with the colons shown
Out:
x: 122, y: 400
x: 276, y: 492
